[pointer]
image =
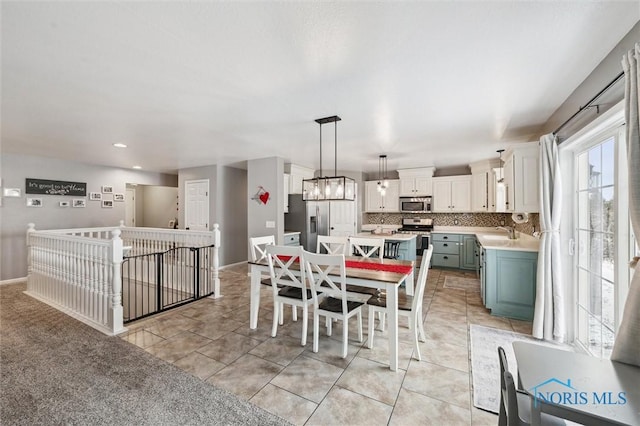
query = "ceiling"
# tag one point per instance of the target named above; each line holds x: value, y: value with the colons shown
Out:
x: 187, y: 84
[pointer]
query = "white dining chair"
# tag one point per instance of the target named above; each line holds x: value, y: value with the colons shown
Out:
x: 258, y: 247
x: 327, y: 277
x: 409, y: 306
x: 332, y: 245
x: 366, y: 247
x: 289, y: 285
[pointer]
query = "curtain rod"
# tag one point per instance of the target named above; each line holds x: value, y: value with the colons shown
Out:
x: 592, y: 100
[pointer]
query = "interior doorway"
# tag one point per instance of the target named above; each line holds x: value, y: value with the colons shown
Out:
x: 196, y: 210
x: 130, y: 207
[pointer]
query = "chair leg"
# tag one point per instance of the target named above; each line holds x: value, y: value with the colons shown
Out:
x: 305, y: 315
x: 281, y: 313
x: 360, y: 326
x: 382, y: 316
x: 371, y: 326
x: 276, y: 314
x: 329, y: 326
x: 294, y: 312
x: 316, y: 330
x: 345, y: 336
x: 415, y: 328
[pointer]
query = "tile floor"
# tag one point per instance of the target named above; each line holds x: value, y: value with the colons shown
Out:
x: 211, y: 339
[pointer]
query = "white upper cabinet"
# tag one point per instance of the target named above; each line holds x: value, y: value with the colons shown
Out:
x: 483, y: 185
x: 521, y: 169
x: 297, y: 175
x: 452, y: 194
x: 376, y: 203
x: 480, y: 192
x: 416, y: 182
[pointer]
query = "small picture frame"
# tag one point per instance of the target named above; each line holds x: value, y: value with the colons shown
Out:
x: 118, y: 197
x: 95, y: 196
x: 107, y: 204
x: 12, y: 192
x: 107, y: 189
x: 64, y: 204
x: 34, y: 202
x: 79, y: 202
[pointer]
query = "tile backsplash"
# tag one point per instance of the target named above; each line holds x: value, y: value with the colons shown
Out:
x: 457, y: 219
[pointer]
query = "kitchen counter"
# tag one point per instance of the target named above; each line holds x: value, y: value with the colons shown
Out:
x: 387, y: 236
x: 493, y: 239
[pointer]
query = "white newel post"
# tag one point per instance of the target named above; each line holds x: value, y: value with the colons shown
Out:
x: 216, y: 261
x: 31, y: 227
x: 115, y: 298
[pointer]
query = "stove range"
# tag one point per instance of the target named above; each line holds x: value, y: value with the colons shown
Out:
x: 416, y: 226
x: 421, y: 228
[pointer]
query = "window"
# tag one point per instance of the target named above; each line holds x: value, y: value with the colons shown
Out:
x: 596, y: 248
x: 597, y: 225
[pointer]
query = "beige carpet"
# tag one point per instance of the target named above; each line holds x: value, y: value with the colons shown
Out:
x: 59, y: 371
x: 462, y: 283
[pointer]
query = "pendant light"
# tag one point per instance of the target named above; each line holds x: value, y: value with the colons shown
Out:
x: 329, y: 188
x: 501, y: 180
x: 383, y: 183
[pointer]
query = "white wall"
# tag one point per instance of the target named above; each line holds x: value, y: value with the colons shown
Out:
x: 15, y: 215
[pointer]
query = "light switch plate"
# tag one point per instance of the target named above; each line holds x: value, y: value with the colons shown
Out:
x: 270, y: 224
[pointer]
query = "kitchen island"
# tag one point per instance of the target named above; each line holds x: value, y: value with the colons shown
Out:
x: 407, y: 247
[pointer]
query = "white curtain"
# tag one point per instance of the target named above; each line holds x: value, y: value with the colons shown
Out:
x: 549, y: 320
x: 627, y: 345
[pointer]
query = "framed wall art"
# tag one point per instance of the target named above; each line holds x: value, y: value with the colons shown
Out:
x: 12, y: 192
x: 107, y: 204
x: 34, y: 202
x: 95, y: 196
x: 79, y: 202
x: 118, y: 197
x: 107, y: 189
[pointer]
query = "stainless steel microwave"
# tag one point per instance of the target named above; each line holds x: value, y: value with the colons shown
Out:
x: 415, y: 205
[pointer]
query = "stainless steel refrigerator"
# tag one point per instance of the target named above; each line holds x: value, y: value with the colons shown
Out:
x: 310, y: 218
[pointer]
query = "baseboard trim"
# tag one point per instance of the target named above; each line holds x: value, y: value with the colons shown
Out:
x: 13, y: 281
x: 231, y: 265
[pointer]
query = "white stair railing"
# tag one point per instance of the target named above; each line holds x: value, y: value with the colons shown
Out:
x: 78, y: 271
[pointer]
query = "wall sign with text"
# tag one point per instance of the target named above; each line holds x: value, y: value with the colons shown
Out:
x: 55, y: 187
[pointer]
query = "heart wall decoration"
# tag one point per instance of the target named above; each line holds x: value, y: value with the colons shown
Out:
x: 262, y: 196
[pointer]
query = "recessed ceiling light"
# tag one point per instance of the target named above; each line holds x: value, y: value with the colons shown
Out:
x: 119, y: 145
x: 137, y: 167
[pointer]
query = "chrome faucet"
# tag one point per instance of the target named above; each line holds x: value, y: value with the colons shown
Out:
x: 510, y: 231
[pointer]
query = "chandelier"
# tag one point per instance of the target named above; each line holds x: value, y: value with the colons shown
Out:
x: 329, y: 188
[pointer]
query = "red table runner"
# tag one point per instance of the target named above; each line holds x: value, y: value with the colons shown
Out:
x: 400, y: 269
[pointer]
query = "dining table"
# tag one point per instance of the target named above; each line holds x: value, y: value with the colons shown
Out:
x: 578, y: 387
x: 384, y: 274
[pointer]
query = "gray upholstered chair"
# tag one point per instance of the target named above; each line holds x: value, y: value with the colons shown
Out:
x: 515, y: 405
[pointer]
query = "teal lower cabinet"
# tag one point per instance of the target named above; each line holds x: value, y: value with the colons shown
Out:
x: 509, y: 283
x: 446, y: 250
x: 469, y: 258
